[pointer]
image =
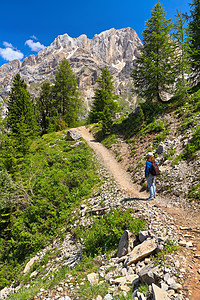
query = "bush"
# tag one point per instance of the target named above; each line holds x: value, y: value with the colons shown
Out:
x: 49, y: 183
x: 151, y: 110
x: 107, y: 231
x: 193, y: 146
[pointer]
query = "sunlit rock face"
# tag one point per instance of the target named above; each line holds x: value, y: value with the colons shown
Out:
x: 114, y: 48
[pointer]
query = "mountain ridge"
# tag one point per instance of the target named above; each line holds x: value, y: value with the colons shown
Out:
x: 116, y: 48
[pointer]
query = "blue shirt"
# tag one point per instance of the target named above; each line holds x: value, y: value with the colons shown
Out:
x: 148, y: 168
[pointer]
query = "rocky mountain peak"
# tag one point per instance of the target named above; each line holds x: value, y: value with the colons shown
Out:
x: 115, y: 48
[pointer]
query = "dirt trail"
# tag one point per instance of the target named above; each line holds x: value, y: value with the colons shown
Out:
x: 186, y: 221
x: 121, y: 176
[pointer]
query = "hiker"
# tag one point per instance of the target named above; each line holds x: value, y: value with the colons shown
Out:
x: 150, y: 174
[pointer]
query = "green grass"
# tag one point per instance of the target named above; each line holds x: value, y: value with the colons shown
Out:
x: 54, y: 178
x: 105, y: 233
x: 109, y: 140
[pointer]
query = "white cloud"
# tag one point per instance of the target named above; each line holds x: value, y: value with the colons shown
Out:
x: 8, y: 45
x: 35, y: 46
x: 10, y: 53
x: 34, y: 37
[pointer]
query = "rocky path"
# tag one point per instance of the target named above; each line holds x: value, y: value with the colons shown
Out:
x: 186, y: 221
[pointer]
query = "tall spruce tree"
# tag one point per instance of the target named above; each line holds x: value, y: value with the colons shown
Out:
x: 153, y: 73
x: 194, y: 33
x: 182, y: 66
x: 66, y: 94
x: 46, y: 106
x: 21, y: 115
x: 104, y: 105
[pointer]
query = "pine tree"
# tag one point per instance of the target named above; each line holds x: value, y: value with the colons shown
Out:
x: 194, y: 33
x: 21, y: 115
x: 153, y: 73
x: 65, y: 94
x: 104, y: 97
x: 21, y: 108
x: 182, y: 66
x: 46, y: 106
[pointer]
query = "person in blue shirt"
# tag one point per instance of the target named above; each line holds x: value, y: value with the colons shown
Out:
x: 149, y: 177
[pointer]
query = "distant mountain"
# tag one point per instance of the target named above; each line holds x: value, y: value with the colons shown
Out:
x: 114, y: 48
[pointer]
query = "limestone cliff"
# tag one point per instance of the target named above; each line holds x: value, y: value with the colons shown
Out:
x: 115, y: 48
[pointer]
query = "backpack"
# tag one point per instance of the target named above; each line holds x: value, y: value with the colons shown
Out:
x: 154, y: 169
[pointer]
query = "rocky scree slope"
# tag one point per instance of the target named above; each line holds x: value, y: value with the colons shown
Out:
x: 178, y: 176
x: 114, y: 48
x: 120, y: 272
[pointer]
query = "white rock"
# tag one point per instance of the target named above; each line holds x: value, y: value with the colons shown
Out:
x: 93, y: 278
x: 108, y: 297
x: 29, y: 264
x: 159, y: 294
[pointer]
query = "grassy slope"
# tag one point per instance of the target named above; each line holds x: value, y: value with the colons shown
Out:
x: 55, y: 177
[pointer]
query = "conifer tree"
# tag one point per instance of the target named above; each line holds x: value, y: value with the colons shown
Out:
x: 182, y: 66
x: 104, y: 98
x: 65, y: 94
x: 153, y: 73
x: 46, y: 106
x: 21, y: 115
x: 194, y: 33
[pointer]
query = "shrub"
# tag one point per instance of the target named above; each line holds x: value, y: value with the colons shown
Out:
x: 49, y: 183
x: 106, y: 232
x: 195, y: 192
x: 194, y: 145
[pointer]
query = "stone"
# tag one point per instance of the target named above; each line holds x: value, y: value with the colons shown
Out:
x: 93, y: 278
x: 170, y: 281
x: 132, y: 279
x: 170, y: 293
x: 126, y: 243
x: 99, y: 297
x: 73, y: 135
x: 182, y: 243
x: 189, y: 244
x: 119, y: 280
x: 76, y: 144
x: 33, y: 274
x: 159, y: 294
x: 124, y: 288
x: 160, y: 149
x: 29, y: 264
x: 164, y: 286
x: 65, y: 298
x: 141, y: 251
x: 149, y: 274
x: 143, y: 235
x: 175, y: 286
x: 108, y: 297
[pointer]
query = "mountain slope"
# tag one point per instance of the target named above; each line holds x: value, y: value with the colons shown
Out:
x: 115, y: 48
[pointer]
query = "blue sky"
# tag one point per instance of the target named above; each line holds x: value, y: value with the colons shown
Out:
x: 28, y: 26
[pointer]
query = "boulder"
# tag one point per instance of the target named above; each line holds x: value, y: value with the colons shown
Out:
x: 143, y: 235
x: 160, y: 149
x: 73, y: 135
x: 126, y: 243
x: 149, y: 274
x: 159, y: 294
x: 141, y: 251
